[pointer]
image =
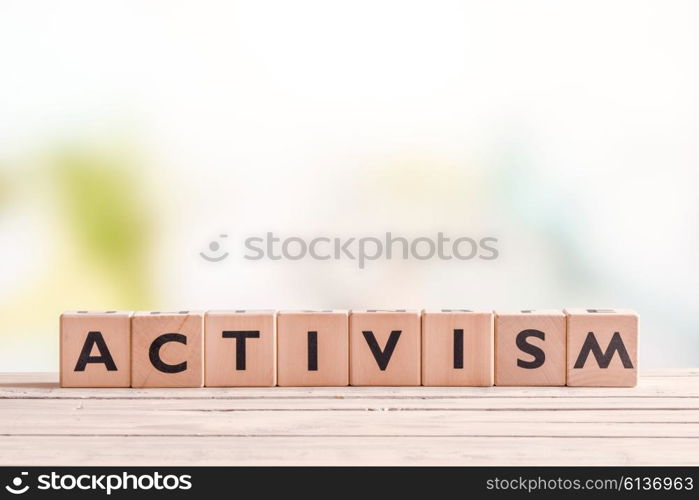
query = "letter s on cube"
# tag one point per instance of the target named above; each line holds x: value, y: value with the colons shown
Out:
x: 530, y: 348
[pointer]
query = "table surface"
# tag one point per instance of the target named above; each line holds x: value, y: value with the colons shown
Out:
x: 656, y: 423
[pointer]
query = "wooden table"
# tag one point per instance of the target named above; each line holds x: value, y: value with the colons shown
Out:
x: 656, y: 423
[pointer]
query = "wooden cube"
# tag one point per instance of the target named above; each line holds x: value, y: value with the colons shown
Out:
x: 167, y: 349
x: 95, y: 349
x: 240, y: 348
x: 313, y: 348
x: 602, y: 347
x: 530, y: 348
x: 385, y: 348
x: 457, y: 348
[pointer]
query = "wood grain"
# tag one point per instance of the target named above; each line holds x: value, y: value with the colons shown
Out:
x: 656, y: 423
x: 545, y: 332
x: 107, y: 335
x: 185, y: 353
x: 601, y: 327
x: 255, y: 364
x: 440, y: 350
x: 395, y: 334
x: 313, y: 348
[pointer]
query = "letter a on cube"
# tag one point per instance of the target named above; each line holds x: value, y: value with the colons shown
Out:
x: 95, y: 349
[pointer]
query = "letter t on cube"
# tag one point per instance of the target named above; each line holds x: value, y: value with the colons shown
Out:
x: 240, y: 348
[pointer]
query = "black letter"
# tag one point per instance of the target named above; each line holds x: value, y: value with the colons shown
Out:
x: 95, y: 338
x: 458, y: 348
x: 154, y: 353
x: 382, y: 357
x: 312, y: 351
x: 603, y: 360
x: 523, y: 345
x: 240, y: 337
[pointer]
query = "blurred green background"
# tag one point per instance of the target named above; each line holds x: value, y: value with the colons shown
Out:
x: 132, y: 134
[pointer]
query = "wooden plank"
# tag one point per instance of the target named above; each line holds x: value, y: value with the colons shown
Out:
x: 15, y: 378
x: 654, y: 423
x: 338, y: 423
x: 656, y: 387
x: 406, y: 450
x: 64, y: 409
x: 531, y: 404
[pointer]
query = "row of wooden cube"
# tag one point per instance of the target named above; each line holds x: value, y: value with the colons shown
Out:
x: 575, y: 347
